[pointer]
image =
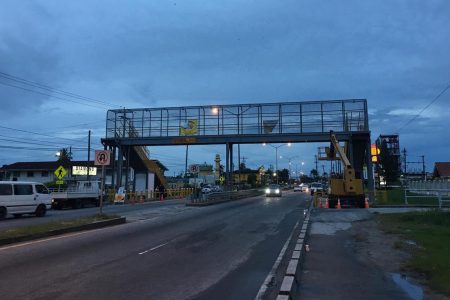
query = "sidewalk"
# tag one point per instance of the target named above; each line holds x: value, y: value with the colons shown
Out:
x: 342, y: 261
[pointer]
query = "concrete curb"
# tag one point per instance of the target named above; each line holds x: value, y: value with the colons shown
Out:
x: 96, y: 225
x: 228, y: 198
x: 408, y: 206
x: 291, y: 280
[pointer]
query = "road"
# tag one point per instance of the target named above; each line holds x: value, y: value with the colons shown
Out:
x: 218, y: 252
x: 123, y: 210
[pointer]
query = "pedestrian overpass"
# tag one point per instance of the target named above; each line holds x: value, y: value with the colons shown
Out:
x: 129, y: 131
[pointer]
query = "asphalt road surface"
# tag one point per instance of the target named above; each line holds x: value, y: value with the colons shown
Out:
x: 65, y: 214
x: 218, y: 252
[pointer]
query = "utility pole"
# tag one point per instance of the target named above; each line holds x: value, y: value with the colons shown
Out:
x: 316, y: 162
x: 423, y: 168
x: 89, y: 154
x: 404, y: 161
x: 239, y: 165
x: 186, y: 161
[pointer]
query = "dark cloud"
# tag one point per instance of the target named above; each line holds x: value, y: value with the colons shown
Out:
x: 140, y: 53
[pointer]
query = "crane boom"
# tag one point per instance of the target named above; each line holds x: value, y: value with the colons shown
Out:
x: 339, y: 149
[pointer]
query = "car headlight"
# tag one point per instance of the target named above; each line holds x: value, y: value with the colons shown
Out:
x: 267, y: 191
x: 277, y: 191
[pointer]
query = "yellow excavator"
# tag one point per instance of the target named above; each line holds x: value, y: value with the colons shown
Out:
x: 343, y: 186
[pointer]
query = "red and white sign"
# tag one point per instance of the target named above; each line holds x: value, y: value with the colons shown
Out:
x: 102, y: 157
x: 194, y: 169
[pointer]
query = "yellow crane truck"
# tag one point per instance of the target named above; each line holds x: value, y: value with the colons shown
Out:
x: 343, y: 186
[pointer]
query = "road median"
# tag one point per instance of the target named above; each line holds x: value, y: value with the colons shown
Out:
x: 216, y: 198
x: 27, y: 233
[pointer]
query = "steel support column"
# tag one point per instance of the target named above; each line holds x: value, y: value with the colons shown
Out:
x: 227, y: 165
x: 119, y: 167
x: 370, y: 181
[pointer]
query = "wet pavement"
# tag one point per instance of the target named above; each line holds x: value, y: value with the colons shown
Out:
x: 333, y: 268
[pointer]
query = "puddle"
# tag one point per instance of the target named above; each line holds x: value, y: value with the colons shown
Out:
x: 411, y: 242
x: 413, y: 291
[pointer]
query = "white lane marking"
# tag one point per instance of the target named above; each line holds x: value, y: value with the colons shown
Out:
x: 265, y: 285
x: 50, y: 239
x: 152, y: 249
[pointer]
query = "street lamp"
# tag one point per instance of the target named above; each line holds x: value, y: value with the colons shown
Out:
x: 276, y: 155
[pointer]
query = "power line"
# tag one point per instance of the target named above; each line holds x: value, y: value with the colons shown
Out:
x: 41, y: 134
x: 38, y: 148
x: 54, y: 90
x: 423, y: 109
x: 49, y: 95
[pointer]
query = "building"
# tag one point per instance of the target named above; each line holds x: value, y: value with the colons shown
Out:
x: 441, y: 170
x: 44, y: 172
x: 242, y: 176
x: 393, y: 147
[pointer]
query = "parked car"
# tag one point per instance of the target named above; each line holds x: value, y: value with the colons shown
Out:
x: 22, y: 197
x: 316, y: 187
x: 216, y: 188
x: 206, y: 189
x: 273, y: 190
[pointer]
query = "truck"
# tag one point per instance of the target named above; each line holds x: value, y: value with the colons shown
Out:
x: 343, y: 187
x: 77, y: 195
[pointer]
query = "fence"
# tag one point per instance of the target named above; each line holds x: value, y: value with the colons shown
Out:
x: 218, y: 197
x: 146, y: 196
x: 431, y: 192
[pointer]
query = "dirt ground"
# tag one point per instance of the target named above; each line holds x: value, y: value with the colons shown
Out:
x: 381, y: 249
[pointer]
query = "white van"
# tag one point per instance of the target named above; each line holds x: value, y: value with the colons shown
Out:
x: 21, y: 197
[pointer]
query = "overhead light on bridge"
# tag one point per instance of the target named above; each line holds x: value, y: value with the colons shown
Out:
x: 215, y: 110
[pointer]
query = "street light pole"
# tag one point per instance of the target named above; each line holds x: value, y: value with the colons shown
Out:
x: 276, y: 161
x: 276, y: 155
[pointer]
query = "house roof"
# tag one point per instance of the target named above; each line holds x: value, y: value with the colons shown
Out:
x: 442, y: 169
x: 52, y: 165
x: 41, y: 165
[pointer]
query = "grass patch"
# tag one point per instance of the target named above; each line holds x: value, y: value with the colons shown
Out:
x: 396, y: 196
x: 431, y: 231
x: 43, y: 228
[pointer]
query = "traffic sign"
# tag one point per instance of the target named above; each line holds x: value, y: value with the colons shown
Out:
x: 60, y: 172
x: 59, y: 181
x: 102, y: 157
x: 194, y: 169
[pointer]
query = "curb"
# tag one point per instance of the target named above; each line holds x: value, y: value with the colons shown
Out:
x: 408, y: 206
x: 228, y: 198
x: 96, y: 225
x: 291, y: 279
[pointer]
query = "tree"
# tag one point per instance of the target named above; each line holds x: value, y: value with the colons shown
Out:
x: 64, y: 157
x: 314, y: 173
x: 251, y: 179
x: 284, y: 175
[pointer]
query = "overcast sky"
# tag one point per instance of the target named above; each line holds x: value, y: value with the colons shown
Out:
x: 169, y: 53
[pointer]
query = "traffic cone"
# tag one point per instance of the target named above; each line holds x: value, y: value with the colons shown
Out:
x: 327, y: 205
x: 320, y: 202
x: 338, y: 204
x: 366, y: 203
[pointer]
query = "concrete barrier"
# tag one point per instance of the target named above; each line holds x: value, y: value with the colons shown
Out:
x: 220, y: 197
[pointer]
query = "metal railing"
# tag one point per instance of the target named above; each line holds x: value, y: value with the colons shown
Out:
x: 427, y: 196
x: 245, y: 119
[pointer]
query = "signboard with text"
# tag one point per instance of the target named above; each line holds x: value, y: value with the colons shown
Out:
x: 82, y: 170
